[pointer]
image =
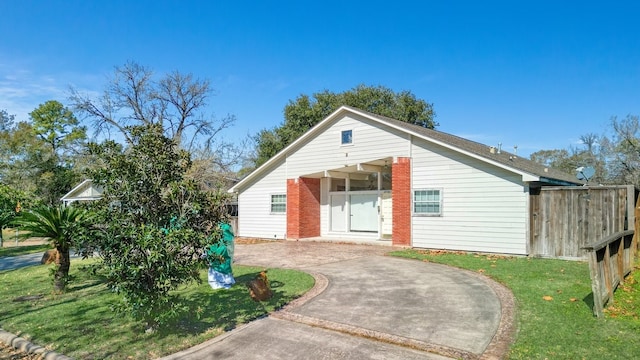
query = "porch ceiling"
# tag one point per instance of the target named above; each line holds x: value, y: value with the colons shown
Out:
x: 363, y: 168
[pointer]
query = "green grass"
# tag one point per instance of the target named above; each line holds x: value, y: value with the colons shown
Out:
x: 23, y: 250
x: 80, y: 323
x: 554, y: 307
x: 627, y: 298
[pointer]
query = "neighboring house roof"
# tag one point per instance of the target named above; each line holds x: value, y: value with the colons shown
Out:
x: 530, y: 170
x: 85, y: 191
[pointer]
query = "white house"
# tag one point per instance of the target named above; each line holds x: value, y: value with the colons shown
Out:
x: 357, y: 175
x: 85, y: 191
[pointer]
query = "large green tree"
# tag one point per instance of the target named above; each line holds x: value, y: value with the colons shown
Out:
x: 6, y: 120
x: 56, y: 125
x: 557, y: 158
x: 6, y: 126
x: 615, y: 156
x: 20, y: 154
x: 64, y: 139
x: 11, y: 200
x: 592, y: 153
x: 154, y: 221
x: 306, y: 111
x: 40, y: 156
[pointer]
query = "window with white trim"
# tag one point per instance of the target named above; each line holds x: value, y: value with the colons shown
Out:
x: 427, y: 202
x: 346, y: 137
x: 278, y: 203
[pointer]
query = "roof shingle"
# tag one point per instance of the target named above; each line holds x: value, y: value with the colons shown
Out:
x: 484, y: 151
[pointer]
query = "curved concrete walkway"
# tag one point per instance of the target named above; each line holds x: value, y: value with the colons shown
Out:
x: 369, y: 306
x: 365, y: 306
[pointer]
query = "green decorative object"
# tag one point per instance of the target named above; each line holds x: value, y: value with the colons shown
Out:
x: 220, y: 257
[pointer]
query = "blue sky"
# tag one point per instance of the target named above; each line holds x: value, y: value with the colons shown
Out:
x: 536, y: 74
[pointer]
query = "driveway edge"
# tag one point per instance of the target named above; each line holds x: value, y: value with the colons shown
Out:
x: 321, y: 283
x: 505, y: 333
x: 376, y: 335
x: 29, y: 347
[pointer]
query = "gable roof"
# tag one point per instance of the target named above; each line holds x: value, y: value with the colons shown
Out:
x: 78, y: 192
x: 482, y: 151
x: 530, y: 170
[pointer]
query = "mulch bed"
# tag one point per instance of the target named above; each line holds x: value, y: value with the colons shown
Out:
x: 10, y: 353
x: 249, y: 241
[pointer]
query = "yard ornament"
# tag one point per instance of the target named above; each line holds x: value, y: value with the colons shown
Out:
x: 220, y: 257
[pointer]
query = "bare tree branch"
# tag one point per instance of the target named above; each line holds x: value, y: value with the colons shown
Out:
x: 176, y: 101
x: 100, y: 112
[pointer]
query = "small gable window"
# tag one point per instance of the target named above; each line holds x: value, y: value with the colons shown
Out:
x: 347, y: 137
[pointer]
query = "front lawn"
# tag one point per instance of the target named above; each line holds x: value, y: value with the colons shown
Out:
x: 81, y: 324
x: 554, y: 302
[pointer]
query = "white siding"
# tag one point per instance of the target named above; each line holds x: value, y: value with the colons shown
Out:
x: 484, y: 208
x: 325, y: 207
x: 89, y: 191
x: 254, y: 206
x: 325, y: 152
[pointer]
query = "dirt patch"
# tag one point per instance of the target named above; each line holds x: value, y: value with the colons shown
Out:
x: 249, y: 241
x: 9, y: 241
x: 28, y: 298
x: 8, y: 352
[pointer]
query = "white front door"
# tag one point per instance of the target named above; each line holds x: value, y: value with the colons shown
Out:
x: 386, y: 214
x: 338, y: 213
x: 364, y: 212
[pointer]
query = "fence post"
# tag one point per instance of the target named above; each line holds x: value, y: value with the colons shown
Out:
x: 598, y: 307
x: 620, y: 260
x: 608, y: 277
x: 636, y: 226
x: 607, y: 273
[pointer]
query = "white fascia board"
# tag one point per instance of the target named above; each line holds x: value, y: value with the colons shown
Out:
x: 369, y: 168
x: 75, y: 189
x: 83, y: 198
x: 525, y: 175
x: 311, y: 132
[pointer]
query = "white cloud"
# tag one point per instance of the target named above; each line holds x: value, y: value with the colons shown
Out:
x: 22, y: 90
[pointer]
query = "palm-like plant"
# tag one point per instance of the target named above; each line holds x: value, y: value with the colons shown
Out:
x: 63, y: 227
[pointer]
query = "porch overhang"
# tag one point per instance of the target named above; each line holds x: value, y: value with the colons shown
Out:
x: 357, y: 171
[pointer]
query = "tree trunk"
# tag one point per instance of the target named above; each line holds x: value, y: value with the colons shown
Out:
x: 63, y: 262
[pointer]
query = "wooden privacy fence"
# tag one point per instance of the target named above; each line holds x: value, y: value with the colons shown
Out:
x: 610, y: 261
x: 564, y: 220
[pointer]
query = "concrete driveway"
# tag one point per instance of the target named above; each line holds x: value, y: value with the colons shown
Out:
x: 366, y: 305
x: 15, y: 262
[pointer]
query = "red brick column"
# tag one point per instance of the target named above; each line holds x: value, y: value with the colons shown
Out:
x: 303, y: 208
x: 293, y: 209
x: 401, y: 190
